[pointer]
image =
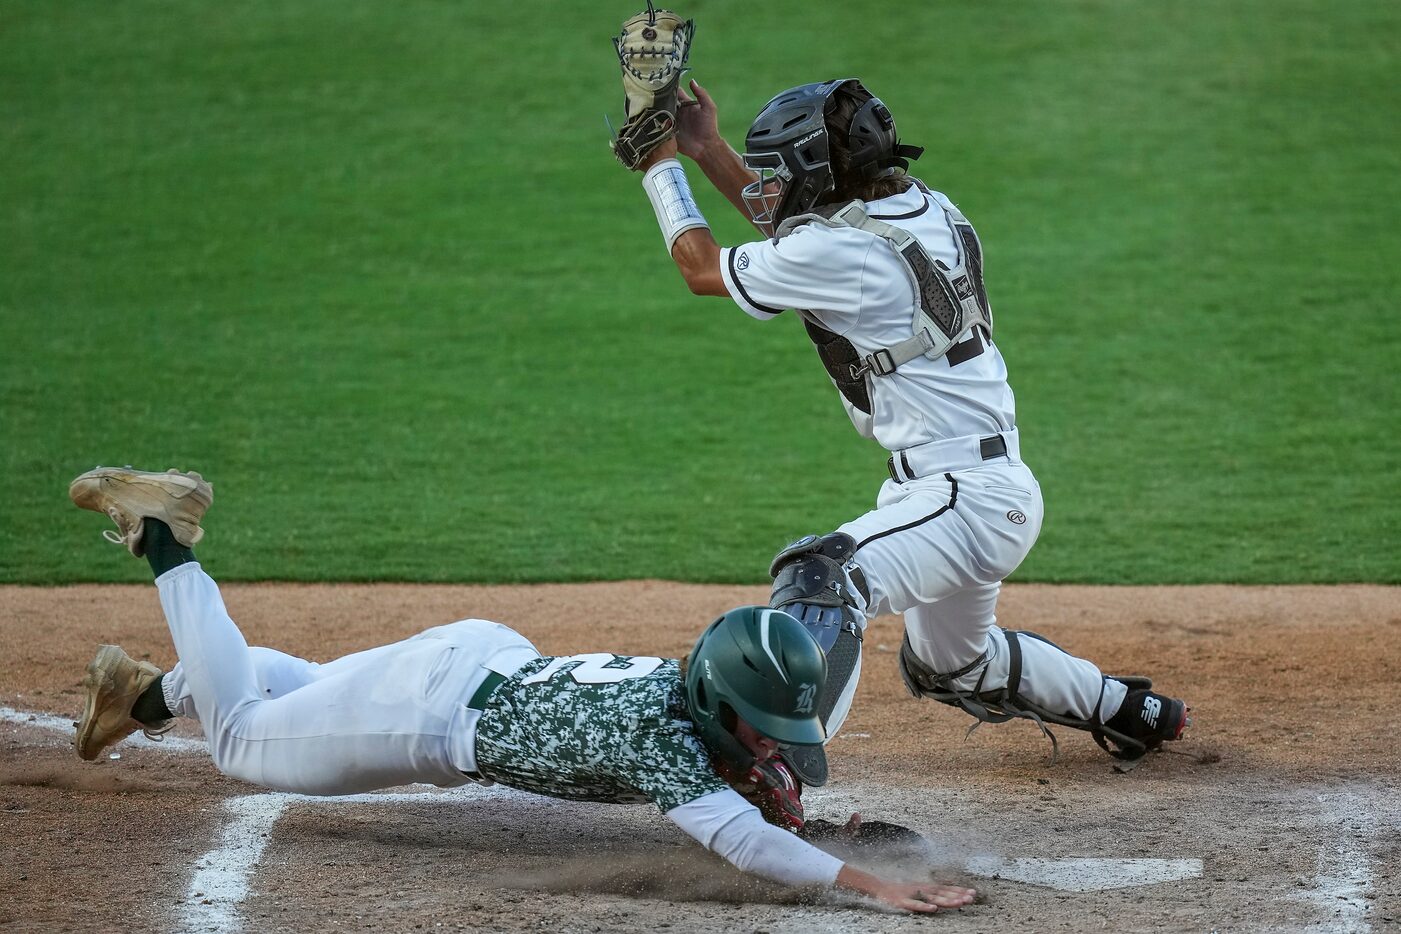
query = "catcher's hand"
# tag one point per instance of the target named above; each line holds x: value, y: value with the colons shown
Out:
x: 652, y: 50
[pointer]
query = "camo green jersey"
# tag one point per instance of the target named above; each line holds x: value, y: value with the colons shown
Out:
x: 596, y: 727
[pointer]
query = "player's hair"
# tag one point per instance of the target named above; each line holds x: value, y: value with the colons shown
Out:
x: 844, y: 105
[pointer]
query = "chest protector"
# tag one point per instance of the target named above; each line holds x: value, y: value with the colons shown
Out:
x: 950, y: 301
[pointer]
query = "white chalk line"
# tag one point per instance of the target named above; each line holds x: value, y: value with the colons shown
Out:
x: 1344, y: 877
x: 223, y: 874
x: 1085, y: 874
x: 221, y: 879
x: 45, y: 721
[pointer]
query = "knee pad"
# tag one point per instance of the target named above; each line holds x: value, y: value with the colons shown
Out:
x: 818, y: 571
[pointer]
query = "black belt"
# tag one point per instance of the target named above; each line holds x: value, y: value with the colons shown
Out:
x: 989, y: 447
x: 992, y: 446
x: 491, y: 682
x: 480, y: 696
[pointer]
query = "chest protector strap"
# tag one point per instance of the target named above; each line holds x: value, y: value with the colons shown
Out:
x: 950, y: 302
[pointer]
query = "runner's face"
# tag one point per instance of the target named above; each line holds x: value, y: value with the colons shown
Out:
x: 757, y: 743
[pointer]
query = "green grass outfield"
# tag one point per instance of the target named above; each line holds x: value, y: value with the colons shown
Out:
x: 371, y: 268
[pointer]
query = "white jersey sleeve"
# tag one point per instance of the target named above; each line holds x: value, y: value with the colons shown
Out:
x: 812, y: 268
x: 724, y: 823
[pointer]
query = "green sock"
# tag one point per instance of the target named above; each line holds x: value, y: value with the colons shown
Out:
x: 163, y: 552
x: 150, y: 707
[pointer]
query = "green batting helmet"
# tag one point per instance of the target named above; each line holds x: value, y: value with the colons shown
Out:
x: 763, y: 666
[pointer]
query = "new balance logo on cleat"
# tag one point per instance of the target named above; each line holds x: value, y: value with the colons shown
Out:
x: 1148, y: 720
x: 1151, y: 708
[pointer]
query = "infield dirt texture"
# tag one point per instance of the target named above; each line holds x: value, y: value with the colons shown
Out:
x: 371, y: 269
x: 1278, y: 812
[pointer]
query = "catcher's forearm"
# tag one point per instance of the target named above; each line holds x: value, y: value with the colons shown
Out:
x: 725, y: 170
x: 669, y: 192
x: 697, y: 255
x: 684, y: 229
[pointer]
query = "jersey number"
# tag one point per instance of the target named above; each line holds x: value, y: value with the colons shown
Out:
x: 966, y: 349
x: 597, y: 668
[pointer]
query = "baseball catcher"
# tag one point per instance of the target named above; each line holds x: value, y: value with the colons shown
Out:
x: 474, y: 701
x: 887, y: 277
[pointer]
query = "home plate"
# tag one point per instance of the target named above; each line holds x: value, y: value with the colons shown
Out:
x: 1085, y: 874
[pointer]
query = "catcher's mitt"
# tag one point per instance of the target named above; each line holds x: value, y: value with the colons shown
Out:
x: 869, y: 835
x: 652, y: 49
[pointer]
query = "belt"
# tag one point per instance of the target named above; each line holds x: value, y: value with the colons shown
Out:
x: 935, y: 457
x: 477, y: 702
x: 491, y: 682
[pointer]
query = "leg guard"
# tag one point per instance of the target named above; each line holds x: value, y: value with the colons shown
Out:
x: 1001, y: 705
x: 816, y: 583
x: 818, y: 572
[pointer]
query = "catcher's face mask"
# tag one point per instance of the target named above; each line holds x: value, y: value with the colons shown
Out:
x: 764, y: 196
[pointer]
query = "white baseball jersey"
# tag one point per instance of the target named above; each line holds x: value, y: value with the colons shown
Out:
x: 855, y: 285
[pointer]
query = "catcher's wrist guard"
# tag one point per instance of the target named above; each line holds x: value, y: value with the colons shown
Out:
x: 652, y: 51
x: 672, y: 201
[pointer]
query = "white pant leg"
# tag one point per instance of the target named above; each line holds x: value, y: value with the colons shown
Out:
x: 914, y: 547
x: 937, y: 550
x: 950, y: 632
x: 276, y: 674
x: 387, y: 719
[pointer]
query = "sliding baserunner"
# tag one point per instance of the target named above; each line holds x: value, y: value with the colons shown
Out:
x: 474, y: 701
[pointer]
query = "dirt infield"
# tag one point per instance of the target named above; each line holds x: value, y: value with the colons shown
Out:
x: 1280, y: 811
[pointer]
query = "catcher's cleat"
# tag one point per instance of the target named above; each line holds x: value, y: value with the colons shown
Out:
x: 1148, y: 720
x: 130, y: 496
x: 114, y: 682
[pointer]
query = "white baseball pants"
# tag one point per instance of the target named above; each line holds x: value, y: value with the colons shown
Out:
x: 936, y: 550
x: 391, y: 715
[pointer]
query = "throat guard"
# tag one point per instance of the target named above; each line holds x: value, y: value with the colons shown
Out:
x: 949, y: 302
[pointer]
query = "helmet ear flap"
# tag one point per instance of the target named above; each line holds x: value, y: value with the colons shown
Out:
x: 871, y: 138
x: 729, y: 720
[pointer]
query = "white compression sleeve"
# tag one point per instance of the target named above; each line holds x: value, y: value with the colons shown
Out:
x: 726, y: 824
x: 670, y: 194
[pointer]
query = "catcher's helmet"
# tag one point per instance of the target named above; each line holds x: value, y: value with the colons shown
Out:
x: 788, y: 142
x: 760, y: 665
